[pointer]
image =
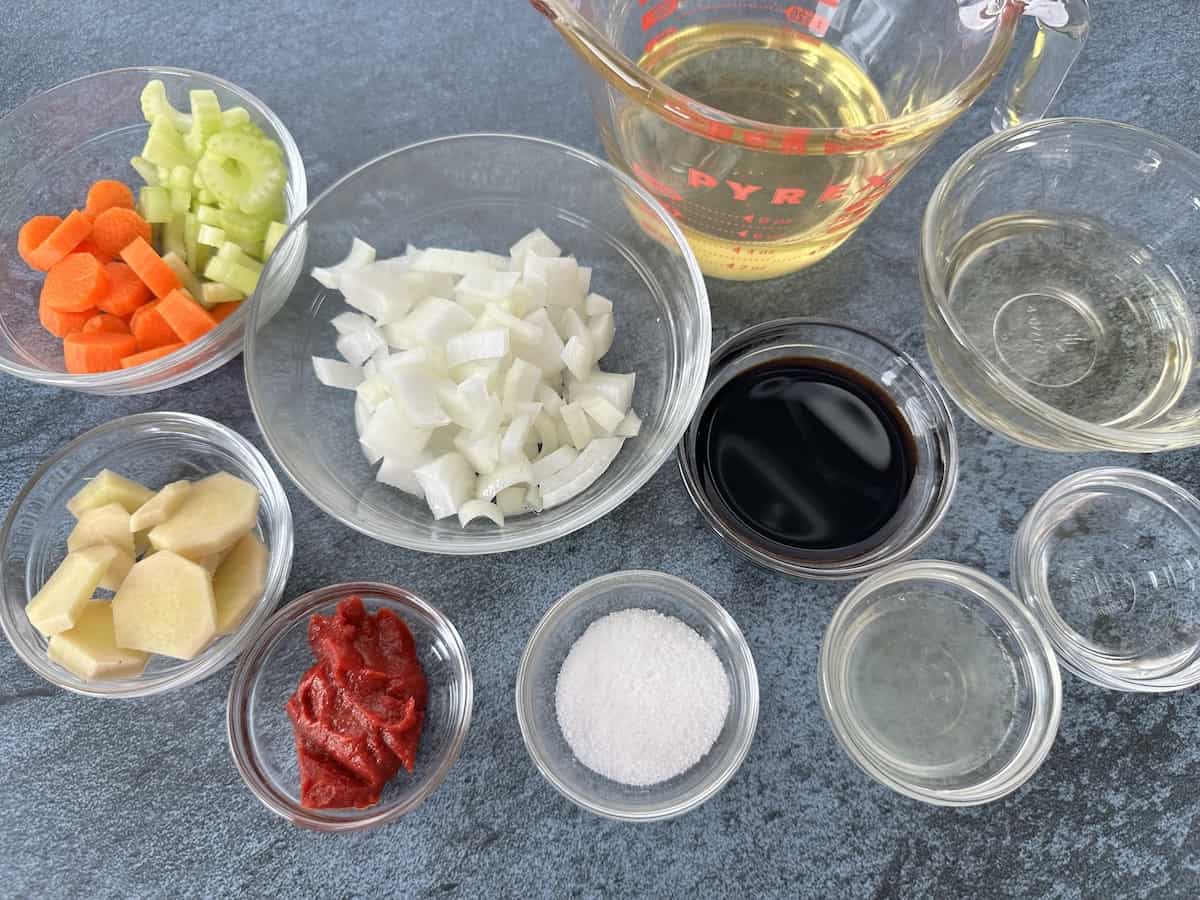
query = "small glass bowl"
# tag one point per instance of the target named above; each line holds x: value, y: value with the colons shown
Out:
x: 153, y: 449
x: 477, y: 191
x: 1108, y: 560
x: 55, y: 145
x: 939, y: 684
x: 548, y: 647
x: 260, y: 732
x: 895, y: 374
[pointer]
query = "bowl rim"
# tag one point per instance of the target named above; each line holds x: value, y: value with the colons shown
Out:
x: 1079, y: 434
x: 279, y: 564
x: 739, y: 649
x: 238, y: 729
x: 853, y: 567
x: 691, y: 384
x: 1072, y: 656
x: 225, y: 338
x: 1037, y: 741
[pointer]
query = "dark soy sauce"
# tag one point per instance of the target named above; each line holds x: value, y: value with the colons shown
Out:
x: 807, y: 454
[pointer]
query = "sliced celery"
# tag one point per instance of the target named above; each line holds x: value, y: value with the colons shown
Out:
x: 243, y: 228
x: 275, y: 231
x: 234, y: 116
x: 208, y: 215
x: 206, y: 119
x: 214, y: 292
x: 181, y: 178
x: 154, y: 204
x: 147, y: 169
x: 244, y: 172
x: 181, y: 200
x: 208, y: 198
x: 185, y: 275
x: 164, y: 146
x: 210, y: 235
x: 231, y: 273
x: 172, y: 241
x: 191, y: 233
x: 155, y: 104
x: 236, y: 254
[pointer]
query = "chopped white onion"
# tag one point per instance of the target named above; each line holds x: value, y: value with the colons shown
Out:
x: 482, y: 450
x: 475, y: 509
x: 537, y: 243
x: 416, y: 394
x: 577, y: 424
x: 347, y: 322
x: 359, y: 346
x: 630, y: 426
x: 399, y: 473
x: 520, y: 384
x: 337, y: 374
x: 511, y: 500
x: 457, y: 262
x: 491, y: 343
x: 578, y: 357
x: 582, y: 473
x: 447, y: 483
x: 435, y: 320
x: 596, y: 305
x: 601, y: 329
x: 361, y: 254
x: 391, y: 434
x: 512, y: 444
x: 489, y: 485
x: 553, y: 464
x: 603, y: 413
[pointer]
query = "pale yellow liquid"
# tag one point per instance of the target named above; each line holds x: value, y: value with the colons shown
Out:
x: 776, y: 76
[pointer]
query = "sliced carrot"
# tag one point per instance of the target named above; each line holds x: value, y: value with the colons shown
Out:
x: 149, y: 267
x: 137, y: 359
x: 105, y: 322
x: 96, y: 351
x: 31, y: 235
x: 116, y: 228
x: 75, y: 283
x: 87, y: 245
x: 187, y: 318
x: 151, y: 329
x: 223, y: 311
x: 62, y: 240
x: 126, y: 292
x: 59, y: 323
x: 108, y: 194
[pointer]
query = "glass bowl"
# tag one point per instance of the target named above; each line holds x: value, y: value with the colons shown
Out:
x: 939, y: 684
x: 54, y: 146
x: 894, y: 374
x: 260, y: 732
x: 480, y: 191
x: 1060, y: 265
x: 1108, y: 560
x: 538, y: 674
x: 153, y: 449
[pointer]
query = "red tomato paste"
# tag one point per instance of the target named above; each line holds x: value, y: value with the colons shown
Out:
x: 357, y: 713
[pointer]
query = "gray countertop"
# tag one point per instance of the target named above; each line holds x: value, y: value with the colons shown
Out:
x: 140, y: 798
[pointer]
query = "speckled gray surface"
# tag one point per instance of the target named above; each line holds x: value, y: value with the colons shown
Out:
x: 141, y: 798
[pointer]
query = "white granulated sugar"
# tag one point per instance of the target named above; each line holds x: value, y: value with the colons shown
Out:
x: 641, y: 697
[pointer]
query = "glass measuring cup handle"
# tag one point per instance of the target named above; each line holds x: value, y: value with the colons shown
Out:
x: 1062, y: 28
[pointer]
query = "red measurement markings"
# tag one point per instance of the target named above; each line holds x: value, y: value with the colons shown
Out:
x: 807, y: 18
x: 657, y: 13
x: 658, y: 39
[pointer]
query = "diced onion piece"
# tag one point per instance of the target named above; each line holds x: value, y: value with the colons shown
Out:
x: 553, y: 464
x: 546, y: 351
x: 577, y: 424
x: 361, y: 254
x: 617, y: 389
x: 511, y: 500
x: 476, y: 509
x: 489, y: 485
x: 578, y: 358
x: 436, y: 320
x: 520, y: 384
x: 482, y: 450
x: 512, y: 444
x: 348, y: 322
x: 537, y: 243
x: 603, y: 413
x: 447, y: 483
x: 547, y: 433
x: 574, y: 326
x: 398, y: 472
x: 602, y: 329
x: 549, y: 398
x: 584, y: 280
x: 390, y: 433
x: 359, y: 346
x: 486, y: 287
x: 430, y: 360
x: 337, y: 374
x: 533, y: 499
x: 553, y: 281
x: 375, y: 290
x: 582, y: 473
x: 597, y: 305
x: 457, y: 262
x: 526, y: 332
x: 373, y: 391
x: 491, y: 343
x: 416, y: 394
x: 630, y: 426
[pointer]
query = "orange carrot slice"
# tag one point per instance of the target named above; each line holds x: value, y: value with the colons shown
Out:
x: 87, y: 245
x: 187, y: 318
x: 137, y: 359
x: 59, y: 323
x: 223, y: 311
x: 105, y: 322
x: 108, y: 194
x: 149, y: 267
x: 62, y: 240
x: 126, y: 292
x: 31, y: 235
x: 96, y: 351
x: 75, y: 283
x: 151, y: 329
x: 116, y: 228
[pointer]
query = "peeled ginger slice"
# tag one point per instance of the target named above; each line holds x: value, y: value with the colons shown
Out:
x: 165, y: 605
x: 89, y: 648
x: 108, y: 487
x: 239, y: 582
x: 102, y: 526
x: 58, y: 604
x: 217, y: 511
x: 160, y: 507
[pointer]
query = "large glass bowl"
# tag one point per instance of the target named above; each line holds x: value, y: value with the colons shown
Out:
x: 477, y: 192
x: 53, y: 147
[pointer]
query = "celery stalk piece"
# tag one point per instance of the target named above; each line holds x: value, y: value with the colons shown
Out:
x: 234, y: 116
x: 185, y: 275
x: 181, y: 201
x: 181, y: 179
x: 173, y: 237
x: 231, y: 273
x: 233, y: 252
x: 208, y: 215
x: 155, y: 104
x: 244, y: 173
x: 214, y: 292
x: 191, y: 242
x: 164, y: 146
x: 206, y: 119
x: 208, y: 198
x: 154, y: 204
x: 147, y: 169
x: 210, y: 235
x: 275, y: 232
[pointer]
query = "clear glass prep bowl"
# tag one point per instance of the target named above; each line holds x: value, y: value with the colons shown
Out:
x: 53, y: 147
x: 153, y: 449
x: 896, y: 375
x: 939, y: 684
x: 538, y: 674
x: 474, y: 192
x: 260, y: 732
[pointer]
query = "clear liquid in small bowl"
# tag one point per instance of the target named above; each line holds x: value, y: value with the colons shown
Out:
x: 1080, y: 316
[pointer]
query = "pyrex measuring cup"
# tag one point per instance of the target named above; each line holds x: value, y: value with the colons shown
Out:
x: 771, y: 129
